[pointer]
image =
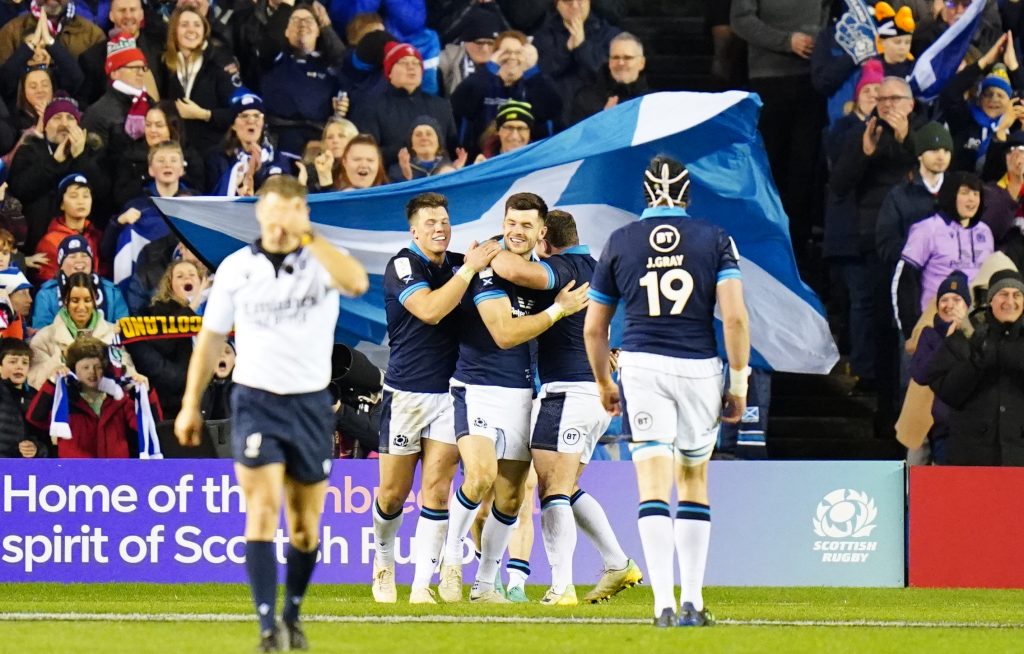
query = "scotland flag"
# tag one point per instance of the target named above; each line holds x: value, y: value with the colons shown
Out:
x: 593, y: 170
x: 938, y: 64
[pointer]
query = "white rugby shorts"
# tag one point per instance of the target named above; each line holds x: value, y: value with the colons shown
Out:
x: 568, y: 418
x: 407, y: 417
x: 674, y: 402
x: 495, y: 412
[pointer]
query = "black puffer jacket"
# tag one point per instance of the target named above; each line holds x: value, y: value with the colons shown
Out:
x: 982, y: 379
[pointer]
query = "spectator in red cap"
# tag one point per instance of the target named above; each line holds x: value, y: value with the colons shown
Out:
x: 75, y: 206
x: 42, y: 161
x: 390, y: 118
x: 129, y: 19
x: 122, y: 109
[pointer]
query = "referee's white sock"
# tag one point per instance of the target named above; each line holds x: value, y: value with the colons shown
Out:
x: 593, y: 522
x: 693, y: 533
x: 385, y: 526
x: 494, y: 539
x: 558, y: 530
x: 655, y: 525
x: 430, y: 531
x: 461, y: 514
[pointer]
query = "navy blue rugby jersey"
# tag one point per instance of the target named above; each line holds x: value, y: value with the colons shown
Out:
x: 666, y: 267
x: 563, y: 354
x: 422, y: 356
x: 481, y: 361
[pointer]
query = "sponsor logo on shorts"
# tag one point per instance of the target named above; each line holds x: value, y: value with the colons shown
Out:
x: 841, y: 515
x: 252, y: 445
x: 480, y: 422
x: 400, y: 440
x: 571, y: 436
x: 643, y: 421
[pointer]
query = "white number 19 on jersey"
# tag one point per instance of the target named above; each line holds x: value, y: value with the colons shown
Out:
x: 675, y: 285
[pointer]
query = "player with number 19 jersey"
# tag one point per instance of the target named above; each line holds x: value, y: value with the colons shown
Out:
x: 666, y: 268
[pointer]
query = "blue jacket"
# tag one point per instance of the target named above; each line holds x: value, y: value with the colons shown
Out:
x: 47, y: 303
x: 297, y: 92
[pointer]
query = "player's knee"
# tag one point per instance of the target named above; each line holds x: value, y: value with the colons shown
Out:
x: 303, y: 538
x: 480, y: 477
x: 390, y: 501
x: 435, y: 495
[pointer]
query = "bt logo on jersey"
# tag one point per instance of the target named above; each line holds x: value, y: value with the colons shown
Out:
x: 664, y: 238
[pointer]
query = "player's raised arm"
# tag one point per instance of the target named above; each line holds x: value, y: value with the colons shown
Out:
x: 519, y: 271
x: 508, y: 331
x: 346, y: 272
x: 431, y: 306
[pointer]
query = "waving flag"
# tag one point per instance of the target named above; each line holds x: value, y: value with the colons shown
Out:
x: 938, y: 64
x: 593, y: 170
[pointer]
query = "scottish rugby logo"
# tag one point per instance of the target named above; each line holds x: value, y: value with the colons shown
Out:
x: 845, y: 513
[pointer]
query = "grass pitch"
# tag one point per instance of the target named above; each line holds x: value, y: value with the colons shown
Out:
x: 143, y: 618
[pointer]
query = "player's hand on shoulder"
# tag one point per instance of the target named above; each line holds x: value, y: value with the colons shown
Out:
x: 732, y: 408
x: 479, y: 255
x: 573, y: 298
x: 188, y: 427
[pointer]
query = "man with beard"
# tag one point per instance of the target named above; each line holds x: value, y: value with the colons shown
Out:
x: 493, y: 392
x: 423, y: 286
x: 42, y: 161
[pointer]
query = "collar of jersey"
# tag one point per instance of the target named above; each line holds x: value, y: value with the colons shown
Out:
x: 577, y: 249
x: 257, y: 248
x: 419, y: 253
x: 664, y: 212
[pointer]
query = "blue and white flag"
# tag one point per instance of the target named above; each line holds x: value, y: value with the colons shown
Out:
x: 145, y: 425
x: 593, y: 170
x: 938, y: 64
x: 130, y: 242
x: 60, y: 425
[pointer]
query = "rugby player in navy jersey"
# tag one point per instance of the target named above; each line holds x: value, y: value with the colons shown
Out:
x: 492, y: 390
x: 671, y: 269
x: 281, y: 296
x: 423, y: 285
x: 569, y: 419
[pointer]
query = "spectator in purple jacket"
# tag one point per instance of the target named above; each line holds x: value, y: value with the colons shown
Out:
x: 952, y: 239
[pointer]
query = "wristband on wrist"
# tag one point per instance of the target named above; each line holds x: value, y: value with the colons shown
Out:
x: 307, y: 238
x: 466, y: 273
x: 555, y: 312
x: 738, y: 381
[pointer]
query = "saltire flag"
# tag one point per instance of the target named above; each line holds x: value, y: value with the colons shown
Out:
x: 939, y: 63
x: 130, y: 242
x: 593, y: 170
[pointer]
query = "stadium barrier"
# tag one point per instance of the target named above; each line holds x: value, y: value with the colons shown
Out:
x: 965, y: 527
x: 774, y: 523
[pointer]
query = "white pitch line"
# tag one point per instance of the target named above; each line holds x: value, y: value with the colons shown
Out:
x: 480, y: 619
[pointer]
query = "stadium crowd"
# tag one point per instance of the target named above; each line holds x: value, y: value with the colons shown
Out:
x: 106, y: 104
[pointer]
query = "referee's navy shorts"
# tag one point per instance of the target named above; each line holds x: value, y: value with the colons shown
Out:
x: 296, y: 430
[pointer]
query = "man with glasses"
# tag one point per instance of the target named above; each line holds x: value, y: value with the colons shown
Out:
x: 300, y: 84
x: 129, y: 18
x: 122, y: 109
x: 573, y: 46
x: 872, y: 162
x: 474, y: 46
x: 621, y: 80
